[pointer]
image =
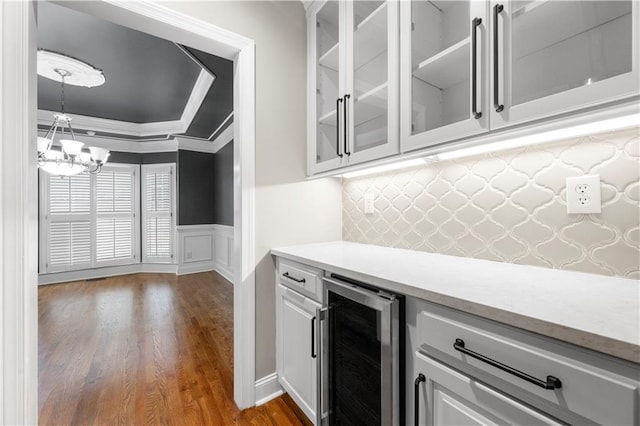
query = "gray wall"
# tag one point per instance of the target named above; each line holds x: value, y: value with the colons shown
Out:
x: 196, y: 196
x: 147, y: 158
x: 205, y: 187
x: 289, y: 208
x: 223, y: 185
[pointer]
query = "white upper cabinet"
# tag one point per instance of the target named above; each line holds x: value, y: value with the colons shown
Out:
x: 325, y: 79
x: 389, y: 77
x: 553, y: 57
x: 353, y: 83
x: 444, y: 71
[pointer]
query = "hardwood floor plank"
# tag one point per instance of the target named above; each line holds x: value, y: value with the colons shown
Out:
x: 143, y: 349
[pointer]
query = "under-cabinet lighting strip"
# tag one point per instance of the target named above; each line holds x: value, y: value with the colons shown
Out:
x: 611, y: 124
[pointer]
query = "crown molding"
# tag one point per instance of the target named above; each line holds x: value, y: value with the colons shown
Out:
x: 229, y: 117
x: 202, y: 145
x: 224, y: 138
x: 200, y: 89
x: 125, y: 145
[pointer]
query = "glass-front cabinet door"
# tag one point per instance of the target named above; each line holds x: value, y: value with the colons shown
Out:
x: 444, y: 73
x: 353, y: 83
x: 372, y: 97
x: 326, y: 52
x: 551, y: 57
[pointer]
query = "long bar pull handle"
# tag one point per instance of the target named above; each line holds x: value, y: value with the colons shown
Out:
x: 344, y: 123
x: 338, y: 101
x: 550, y: 383
x: 298, y: 280
x: 474, y: 68
x: 416, y: 396
x: 321, y: 315
x: 496, y: 75
x: 313, y: 337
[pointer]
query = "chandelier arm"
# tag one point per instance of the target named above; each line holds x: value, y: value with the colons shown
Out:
x: 55, y: 129
x: 53, y: 125
x: 73, y: 135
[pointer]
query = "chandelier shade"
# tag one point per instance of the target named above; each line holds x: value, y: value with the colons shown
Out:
x: 68, y: 158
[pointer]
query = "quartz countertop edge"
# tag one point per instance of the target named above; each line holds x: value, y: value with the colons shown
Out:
x: 593, y: 311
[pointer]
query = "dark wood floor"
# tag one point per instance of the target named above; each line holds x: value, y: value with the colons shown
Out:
x: 143, y: 349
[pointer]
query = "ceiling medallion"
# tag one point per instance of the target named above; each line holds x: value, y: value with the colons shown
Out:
x: 68, y: 158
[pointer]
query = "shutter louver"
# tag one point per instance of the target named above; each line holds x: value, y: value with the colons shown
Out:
x: 115, y: 215
x: 69, y: 194
x: 158, y: 207
x: 69, y: 244
x: 69, y: 222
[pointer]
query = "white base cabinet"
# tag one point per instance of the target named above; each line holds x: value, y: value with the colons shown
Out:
x: 448, y: 397
x: 476, y: 371
x: 296, y: 347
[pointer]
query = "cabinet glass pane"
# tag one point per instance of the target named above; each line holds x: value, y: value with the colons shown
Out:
x: 327, y: 60
x: 440, y: 63
x: 370, y: 60
x: 561, y: 45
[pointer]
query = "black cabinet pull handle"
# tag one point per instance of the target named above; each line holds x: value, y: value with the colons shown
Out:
x: 474, y: 68
x: 551, y: 382
x: 416, y: 395
x: 338, y: 127
x: 313, y: 337
x: 496, y: 80
x: 344, y: 123
x: 298, y: 280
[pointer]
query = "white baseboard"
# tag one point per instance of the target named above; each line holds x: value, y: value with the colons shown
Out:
x: 194, y: 268
x: 267, y: 388
x: 110, y: 271
x: 224, y: 271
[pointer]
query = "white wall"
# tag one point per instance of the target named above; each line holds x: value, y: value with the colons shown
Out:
x: 289, y: 209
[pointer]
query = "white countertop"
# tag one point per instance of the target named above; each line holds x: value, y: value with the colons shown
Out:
x: 594, y: 311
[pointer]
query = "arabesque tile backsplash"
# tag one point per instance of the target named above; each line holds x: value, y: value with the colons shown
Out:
x: 510, y: 206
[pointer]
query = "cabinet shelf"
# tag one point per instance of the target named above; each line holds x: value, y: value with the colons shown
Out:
x: 549, y: 22
x: 446, y: 68
x: 369, y: 105
x: 366, y: 39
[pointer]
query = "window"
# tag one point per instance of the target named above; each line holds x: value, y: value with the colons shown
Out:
x: 115, y: 218
x: 158, y: 190
x: 89, y: 221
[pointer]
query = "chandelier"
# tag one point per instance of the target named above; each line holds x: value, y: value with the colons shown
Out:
x: 67, y: 157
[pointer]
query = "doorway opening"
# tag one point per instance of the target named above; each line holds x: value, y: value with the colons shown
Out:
x: 19, y: 22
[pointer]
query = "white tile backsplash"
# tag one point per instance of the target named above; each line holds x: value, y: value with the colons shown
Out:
x: 510, y: 206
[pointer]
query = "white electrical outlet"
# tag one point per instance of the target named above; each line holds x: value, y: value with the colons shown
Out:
x: 368, y: 204
x: 583, y: 194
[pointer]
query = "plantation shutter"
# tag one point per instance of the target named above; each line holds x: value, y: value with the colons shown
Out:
x: 67, y: 230
x: 157, y: 207
x: 115, y: 215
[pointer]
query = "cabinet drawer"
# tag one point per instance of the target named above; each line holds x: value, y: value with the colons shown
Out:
x: 305, y: 279
x: 595, y: 388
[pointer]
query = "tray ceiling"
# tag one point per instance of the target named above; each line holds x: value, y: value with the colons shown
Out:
x: 149, y: 81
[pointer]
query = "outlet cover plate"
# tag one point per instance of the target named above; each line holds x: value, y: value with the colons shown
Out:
x: 583, y: 194
x: 368, y: 204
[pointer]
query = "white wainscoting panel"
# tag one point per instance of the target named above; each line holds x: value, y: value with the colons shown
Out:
x: 223, y: 241
x: 195, y: 249
x: 205, y: 248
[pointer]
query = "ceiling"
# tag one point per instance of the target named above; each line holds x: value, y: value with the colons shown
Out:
x: 149, y: 81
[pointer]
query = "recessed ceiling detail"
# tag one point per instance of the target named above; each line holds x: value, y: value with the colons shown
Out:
x: 154, y: 88
x: 55, y: 66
